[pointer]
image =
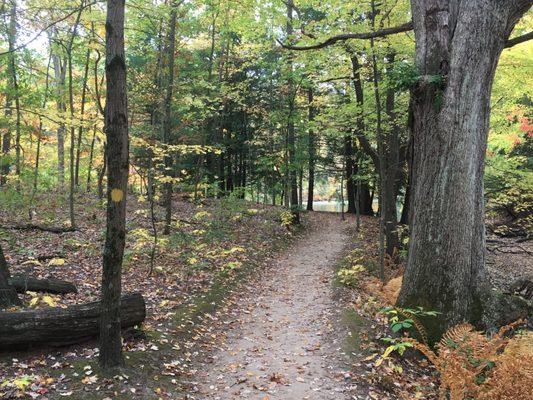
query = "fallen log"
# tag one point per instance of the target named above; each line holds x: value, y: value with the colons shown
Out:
x: 23, y: 283
x: 60, y: 327
x: 37, y: 227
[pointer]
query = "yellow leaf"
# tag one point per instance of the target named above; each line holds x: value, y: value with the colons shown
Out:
x: 31, y: 262
x: 49, y: 300
x: 56, y: 262
x: 387, y: 351
x: 21, y: 383
x: 34, y: 301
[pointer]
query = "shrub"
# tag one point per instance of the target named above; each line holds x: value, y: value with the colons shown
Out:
x: 351, y: 276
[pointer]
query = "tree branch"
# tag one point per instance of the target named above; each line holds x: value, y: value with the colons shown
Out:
x: 519, y: 39
x: 52, y: 24
x: 367, y: 148
x: 346, y: 36
x: 408, y: 26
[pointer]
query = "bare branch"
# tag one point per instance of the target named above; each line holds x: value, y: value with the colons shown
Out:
x: 519, y: 39
x: 408, y: 26
x: 346, y: 36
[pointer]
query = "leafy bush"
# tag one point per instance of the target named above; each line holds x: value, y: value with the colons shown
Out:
x: 287, y: 218
x: 351, y: 276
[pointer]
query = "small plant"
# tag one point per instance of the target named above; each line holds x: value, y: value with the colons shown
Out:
x: 287, y: 218
x: 395, y: 346
x: 407, y: 318
x: 351, y: 276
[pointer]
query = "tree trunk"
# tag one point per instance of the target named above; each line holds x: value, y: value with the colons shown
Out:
x: 167, y: 118
x: 14, y: 85
x: 391, y: 171
x: 101, y: 175
x: 11, y: 93
x: 8, y: 296
x: 291, y: 140
x: 60, y: 72
x: 116, y: 126
x: 64, y: 326
x: 312, y: 152
x: 82, y: 114
x: 381, y: 157
x: 349, y: 166
x: 446, y: 265
x: 365, y: 200
x: 91, y: 157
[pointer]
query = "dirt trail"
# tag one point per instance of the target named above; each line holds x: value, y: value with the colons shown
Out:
x: 284, y: 347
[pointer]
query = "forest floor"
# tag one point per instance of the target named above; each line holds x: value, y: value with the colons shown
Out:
x: 238, y: 307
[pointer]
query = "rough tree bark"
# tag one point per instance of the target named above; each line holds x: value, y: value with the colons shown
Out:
x: 116, y: 127
x: 460, y: 42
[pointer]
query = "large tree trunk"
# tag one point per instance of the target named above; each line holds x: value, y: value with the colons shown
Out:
x: 61, y: 327
x: 446, y: 266
x: 116, y: 127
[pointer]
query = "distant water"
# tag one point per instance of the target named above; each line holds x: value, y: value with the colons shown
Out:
x: 330, y: 206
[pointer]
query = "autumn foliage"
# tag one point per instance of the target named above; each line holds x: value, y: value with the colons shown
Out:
x: 473, y: 365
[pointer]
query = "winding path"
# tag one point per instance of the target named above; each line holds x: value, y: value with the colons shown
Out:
x: 285, y: 346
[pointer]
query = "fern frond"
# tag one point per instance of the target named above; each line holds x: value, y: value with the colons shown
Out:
x: 418, y: 325
x: 455, y: 335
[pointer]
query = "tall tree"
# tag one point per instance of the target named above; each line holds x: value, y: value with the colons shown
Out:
x: 446, y: 265
x: 457, y: 51
x: 291, y: 139
x: 116, y: 127
x: 167, y: 117
x: 11, y: 94
x: 311, y: 150
x: 60, y: 74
